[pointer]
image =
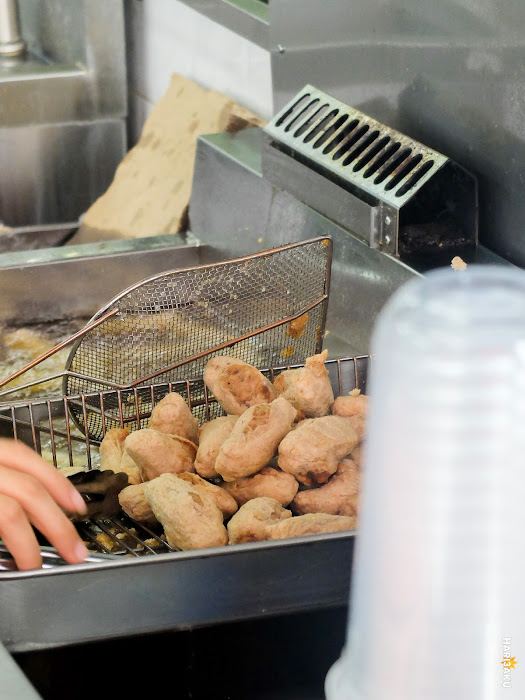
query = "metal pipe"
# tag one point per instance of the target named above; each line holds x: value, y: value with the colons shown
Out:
x: 11, y: 43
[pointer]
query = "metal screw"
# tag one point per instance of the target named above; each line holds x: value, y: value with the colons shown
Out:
x: 387, y: 240
x: 280, y: 48
x: 388, y: 220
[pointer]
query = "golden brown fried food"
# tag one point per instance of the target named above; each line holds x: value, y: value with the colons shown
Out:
x: 113, y: 455
x: 254, y: 439
x: 355, y: 404
x: 313, y: 450
x: 133, y: 502
x: 308, y: 388
x: 189, y: 516
x: 156, y: 453
x: 173, y: 417
x: 310, y: 524
x: 211, y: 437
x: 357, y: 455
x: 223, y: 500
x: 237, y: 385
x: 268, y: 482
x: 112, y: 448
x: 339, y: 496
x: 129, y: 467
x: 358, y: 423
x: 250, y: 522
x: 296, y: 328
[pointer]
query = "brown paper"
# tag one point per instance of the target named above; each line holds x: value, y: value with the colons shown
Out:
x: 150, y: 193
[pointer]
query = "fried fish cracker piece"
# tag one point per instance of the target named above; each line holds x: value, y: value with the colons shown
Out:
x: 250, y: 522
x: 312, y: 451
x: 223, y: 500
x: 211, y: 437
x: 254, y: 439
x: 358, y: 423
x: 189, y: 516
x: 354, y: 404
x: 357, y: 455
x: 269, y: 482
x: 113, y: 455
x: 133, y: 502
x: 156, y: 453
x: 309, y: 524
x: 237, y: 385
x: 173, y: 417
x: 307, y: 388
x: 339, y: 496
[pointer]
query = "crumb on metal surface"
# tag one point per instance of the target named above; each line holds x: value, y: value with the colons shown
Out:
x: 458, y: 263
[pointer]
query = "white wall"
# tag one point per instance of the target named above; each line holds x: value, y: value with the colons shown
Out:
x: 165, y: 37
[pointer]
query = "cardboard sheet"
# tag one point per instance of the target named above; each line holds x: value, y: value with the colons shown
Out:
x: 150, y: 193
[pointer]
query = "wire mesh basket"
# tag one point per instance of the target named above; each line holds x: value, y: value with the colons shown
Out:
x: 264, y: 308
x: 46, y: 426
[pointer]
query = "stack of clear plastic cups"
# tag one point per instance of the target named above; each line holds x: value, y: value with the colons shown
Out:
x: 437, y: 606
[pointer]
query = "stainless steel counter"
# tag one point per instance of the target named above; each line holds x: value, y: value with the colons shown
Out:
x: 63, y: 109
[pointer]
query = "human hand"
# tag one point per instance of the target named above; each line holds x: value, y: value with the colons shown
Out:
x: 33, y: 492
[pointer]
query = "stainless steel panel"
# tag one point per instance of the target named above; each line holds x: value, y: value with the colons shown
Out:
x: 83, y: 36
x: 53, y: 172
x: 237, y: 211
x: 451, y: 75
x: 54, y: 607
x: 248, y: 18
x: 35, y: 237
x: 71, y: 286
x: 325, y: 196
x: 62, y: 110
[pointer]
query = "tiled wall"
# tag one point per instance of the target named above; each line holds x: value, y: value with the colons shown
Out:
x: 165, y: 37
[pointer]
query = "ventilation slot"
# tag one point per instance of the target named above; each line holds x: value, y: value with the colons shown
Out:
x: 340, y: 136
x: 350, y: 141
x: 394, y: 163
x: 322, y: 125
x: 403, y: 172
x: 308, y: 123
x: 371, y: 153
x: 415, y: 178
x: 360, y: 147
x: 330, y: 131
x: 293, y: 109
x: 301, y: 114
x: 381, y: 159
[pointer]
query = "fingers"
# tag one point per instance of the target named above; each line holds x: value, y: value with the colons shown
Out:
x: 36, y: 506
x: 22, y: 458
x: 18, y: 535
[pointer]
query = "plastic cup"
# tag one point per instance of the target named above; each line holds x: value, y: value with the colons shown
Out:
x: 437, y: 605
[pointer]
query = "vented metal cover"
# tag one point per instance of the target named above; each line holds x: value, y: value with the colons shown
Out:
x: 383, y: 162
x: 387, y: 188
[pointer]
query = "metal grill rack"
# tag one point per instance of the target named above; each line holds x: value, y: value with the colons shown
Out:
x: 42, y: 424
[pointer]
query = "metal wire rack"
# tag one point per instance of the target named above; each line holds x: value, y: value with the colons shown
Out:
x: 46, y: 426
